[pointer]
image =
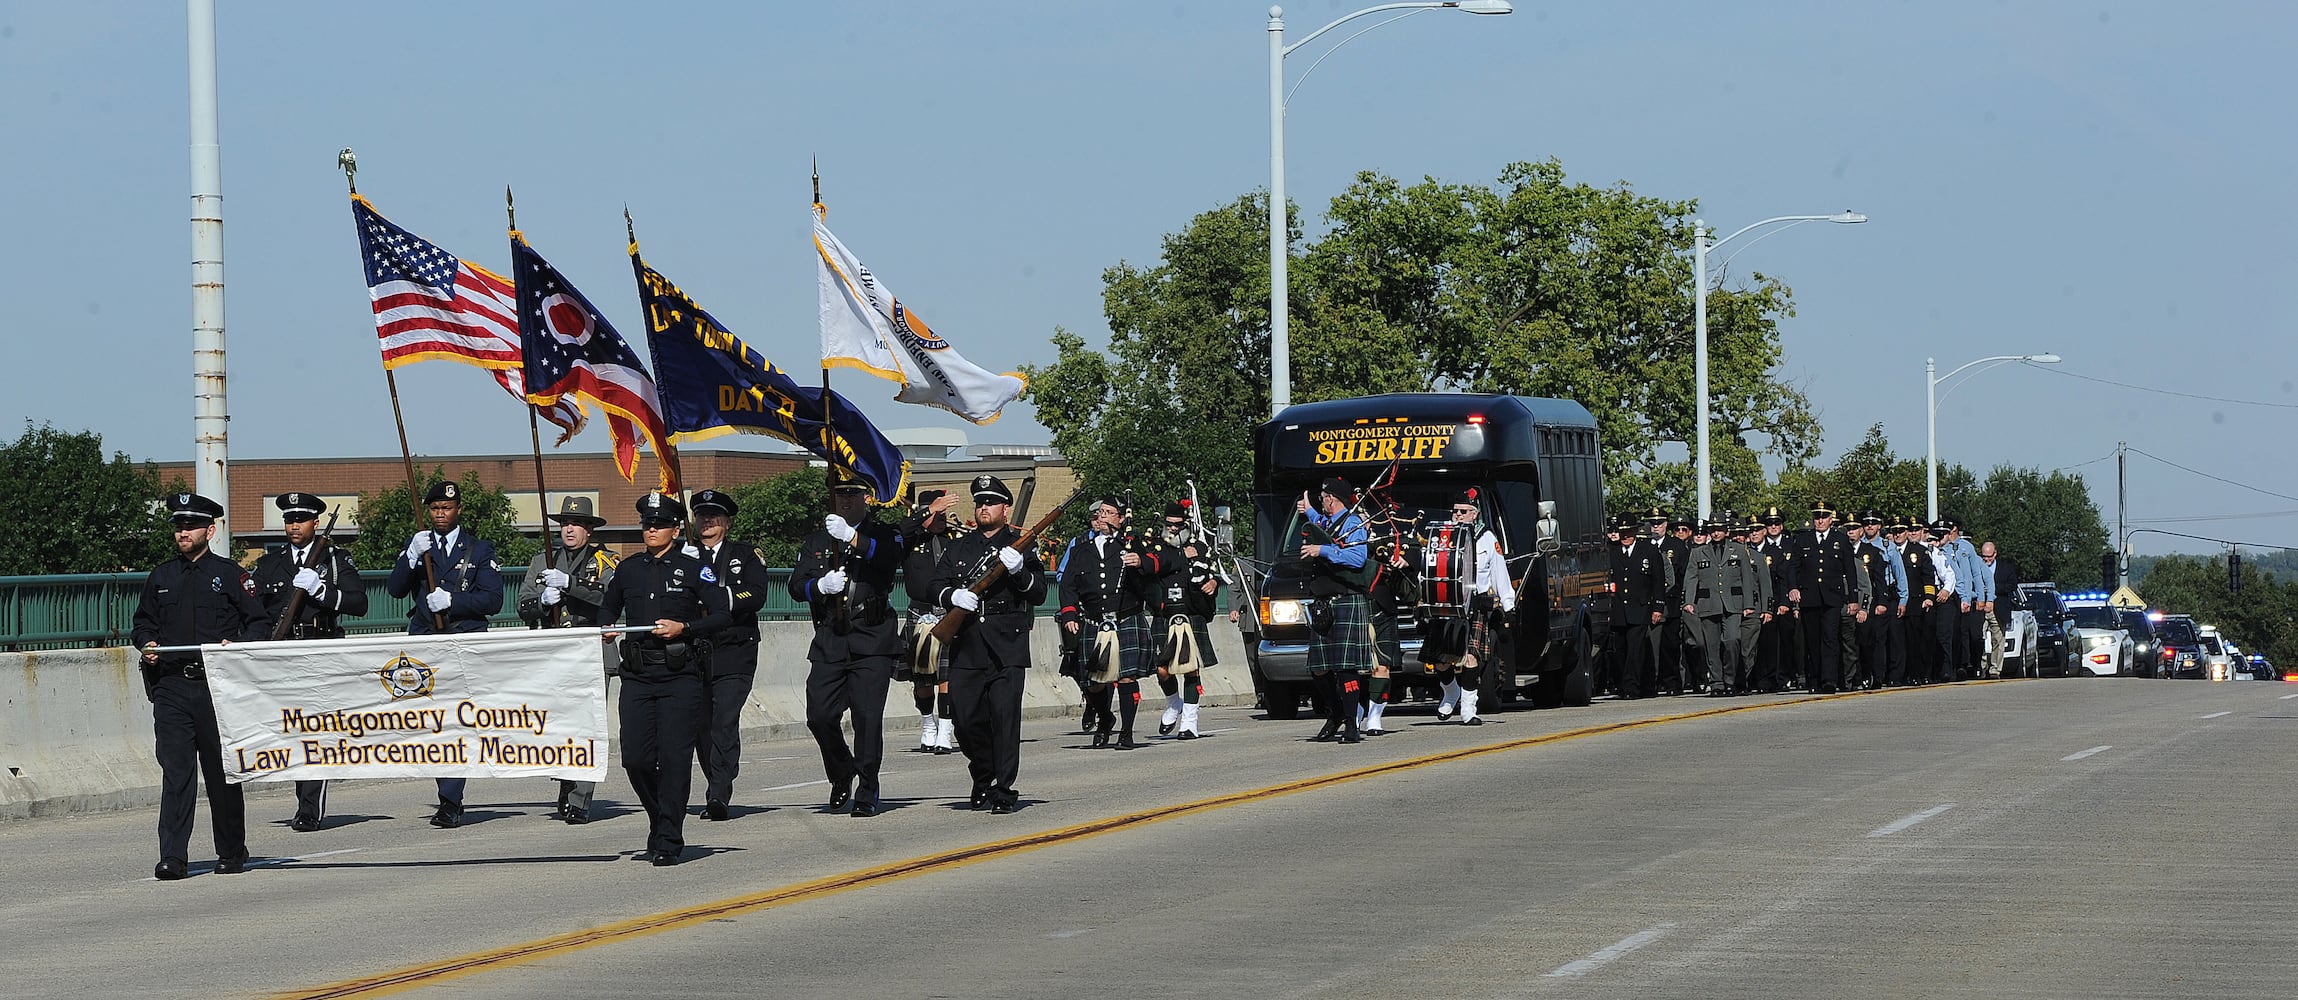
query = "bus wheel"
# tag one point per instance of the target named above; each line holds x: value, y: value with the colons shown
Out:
x: 1282, y: 700
x: 1579, y: 685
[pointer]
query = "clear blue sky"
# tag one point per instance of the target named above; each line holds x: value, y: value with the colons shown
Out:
x: 2092, y: 179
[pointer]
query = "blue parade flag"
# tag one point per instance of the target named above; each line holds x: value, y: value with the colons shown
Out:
x: 711, y: 383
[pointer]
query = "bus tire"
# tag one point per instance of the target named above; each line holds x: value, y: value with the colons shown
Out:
x: 1282, y: 700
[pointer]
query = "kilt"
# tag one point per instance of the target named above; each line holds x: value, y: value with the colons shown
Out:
x: 1387, y: 647
x: 1197, y: 628
x: 1136, y: 647
x: 1479, y: 637
x: 1347, y: 646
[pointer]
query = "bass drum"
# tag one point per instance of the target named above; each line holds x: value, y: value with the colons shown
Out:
x: 1447, y: 579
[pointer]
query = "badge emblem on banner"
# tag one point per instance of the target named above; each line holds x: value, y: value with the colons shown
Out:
x: 407, y: 677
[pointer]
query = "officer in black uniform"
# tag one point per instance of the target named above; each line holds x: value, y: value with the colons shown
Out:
x: 1828, y: 581
x: 563, y: 586
x: 1673, y: 536
x: 661, y: 706
x: 1639, y: 583
x: 323, y: 573
x: 1108, y: 589
x: 460, y: 585
x: 845, y: 574
x: 197, y: 597
x: 989, y: 655
x: 733, y: 665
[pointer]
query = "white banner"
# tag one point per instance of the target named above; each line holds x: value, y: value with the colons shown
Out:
x: 864, y: 326
x: 473, y: 704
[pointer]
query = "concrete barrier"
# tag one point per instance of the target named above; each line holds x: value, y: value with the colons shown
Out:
x: 76, y: 731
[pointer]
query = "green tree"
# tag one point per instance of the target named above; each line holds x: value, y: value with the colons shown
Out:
x: 777, y: 513
x: 2045, y: 524
x: 387, y: 520
x: 90, y: 514
x: 1868, y: 477
x: 1534, y: 286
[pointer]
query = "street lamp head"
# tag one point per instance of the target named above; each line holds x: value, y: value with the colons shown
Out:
x: 1848, y: 218
x: 1485, y: 6
x: 2042, y: 359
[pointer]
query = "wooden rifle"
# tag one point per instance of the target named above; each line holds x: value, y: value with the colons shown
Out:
x: 947, y: 629
x: 321, y: 551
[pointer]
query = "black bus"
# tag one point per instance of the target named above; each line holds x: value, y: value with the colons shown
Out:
x: 1539, y: 463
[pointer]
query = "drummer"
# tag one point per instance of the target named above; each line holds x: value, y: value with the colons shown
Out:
x: 1491, y: 597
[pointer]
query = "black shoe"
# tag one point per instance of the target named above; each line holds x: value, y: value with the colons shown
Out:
x: 665, y: 860
x: 574, y: 818
x: 447, y: 817
x: 980, y: 799
x: 865, y: 809
x: 303, y: 824
x: 1351, y: 738
x: 169, y: 870
x: 1100, y: 738
x: 1472, y: 722
x: 1187, y: 735
x: 1331, y: 729
x: 1166, y: 728
x: 646, y: 856
x: 714, y: 812
x: 230, y: 866
x: 1125, y: 741
x: 1004, y: 806
x: 840, y: 794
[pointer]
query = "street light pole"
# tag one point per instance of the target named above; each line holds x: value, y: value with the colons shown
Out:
x: 1700, y: 247
x: 1931, y: 382
x: 1280, y: 345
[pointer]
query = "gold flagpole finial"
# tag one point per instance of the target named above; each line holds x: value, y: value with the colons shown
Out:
x: 348, y: 162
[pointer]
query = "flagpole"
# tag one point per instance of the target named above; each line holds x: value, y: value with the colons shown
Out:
x: 349, y: 164
x: 534, y: 425
x: 666, y: 456
x: 829, y: 417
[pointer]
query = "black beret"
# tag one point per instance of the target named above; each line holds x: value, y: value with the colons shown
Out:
x: 444, y: 489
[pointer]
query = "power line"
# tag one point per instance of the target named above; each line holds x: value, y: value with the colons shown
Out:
x: 2070, y: 468
x: 2213, y: 517
x: 2055, y: 370
x: 2222, y: 479
x: 2204, y: 538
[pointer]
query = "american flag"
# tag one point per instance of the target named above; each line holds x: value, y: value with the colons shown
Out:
x: 573, y: 351
x: 428, y: 304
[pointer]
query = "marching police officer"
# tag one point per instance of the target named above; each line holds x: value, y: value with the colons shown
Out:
x: 1722, y: 589
x: 460, y: 585
x: 196, y: 597
x: 323, y: 574
x: 1639, y: 586
x: 989, y: 654
x: 733, y: 666
x: 845, y: 574
x: 1828, y: 581
x: 564, y: 584
x: 663, y: 589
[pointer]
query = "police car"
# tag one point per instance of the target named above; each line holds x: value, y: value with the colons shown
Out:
x: 2103, y: 647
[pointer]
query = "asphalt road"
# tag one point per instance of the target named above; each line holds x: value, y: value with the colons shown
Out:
x: 2053, y: 838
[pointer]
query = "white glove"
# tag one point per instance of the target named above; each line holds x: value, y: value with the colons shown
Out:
x: 416, y: 546
x: 552, y: 595
x: 308, y: 581
x: 832, y: 582
x: 838, y: 528
x: 691, y: 550
x: 439, y: 599
x: 963, y: 598
x: 1010, y: 558
x: 555, y: 578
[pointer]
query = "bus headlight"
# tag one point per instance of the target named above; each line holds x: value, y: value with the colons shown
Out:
x: 1283, y: 612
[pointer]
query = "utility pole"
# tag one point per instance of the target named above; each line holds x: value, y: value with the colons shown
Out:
x: 2121, y: 532
x: 210, y: 416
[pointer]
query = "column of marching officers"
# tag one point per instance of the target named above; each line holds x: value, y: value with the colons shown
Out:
x: 681, y: 617
x: 1762, y: 608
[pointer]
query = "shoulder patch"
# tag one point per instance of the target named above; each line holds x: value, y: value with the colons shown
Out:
x: 708, y: 576
x: 247, y: 583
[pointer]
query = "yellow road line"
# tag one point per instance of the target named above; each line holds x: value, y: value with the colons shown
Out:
x: 454, y: 968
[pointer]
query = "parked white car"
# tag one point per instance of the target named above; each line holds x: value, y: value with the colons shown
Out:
x: 2017, y: 654
x: 2218, y: 663
x: 2102, y: 645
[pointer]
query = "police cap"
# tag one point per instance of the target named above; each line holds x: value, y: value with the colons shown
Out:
x: 192, y: 509
x: 294, y: 507
x: 842, y: 480
x: 1869, y: 516
x: 1821, y: 508
x: 1771, y: 515
x: 714, y: 500
x: 990, y: 489
x: 657, y: 510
